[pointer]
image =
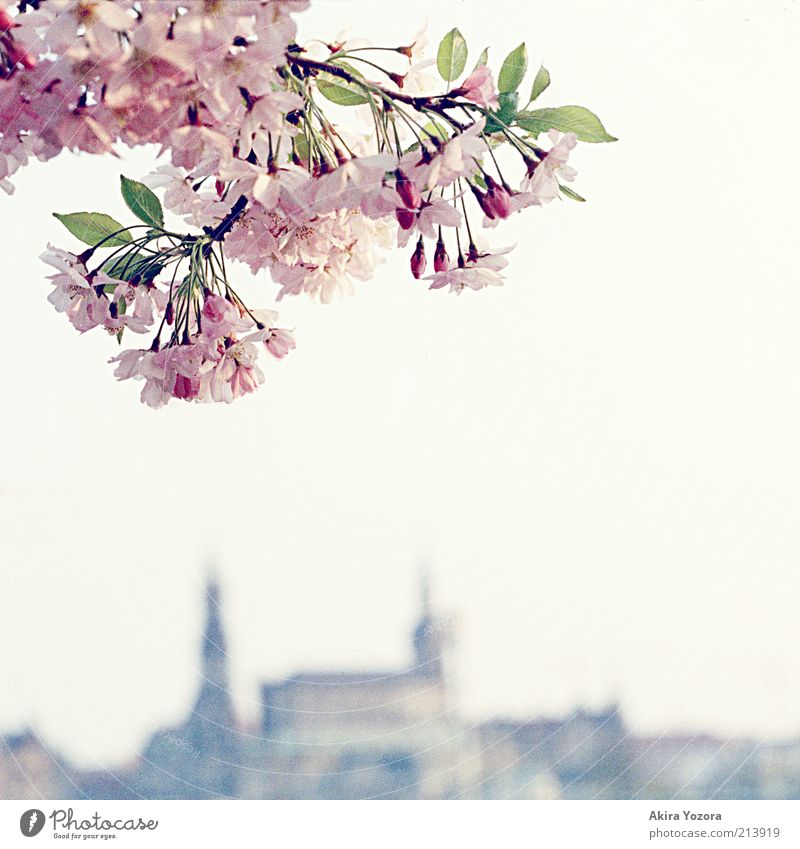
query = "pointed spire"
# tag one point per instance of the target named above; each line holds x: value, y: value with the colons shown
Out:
x: 211, y: 728
x: 425, y: 589
x: 429, y: 635
x: 214, y: 648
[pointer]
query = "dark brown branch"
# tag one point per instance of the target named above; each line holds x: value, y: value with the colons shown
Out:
x: 434, y: 103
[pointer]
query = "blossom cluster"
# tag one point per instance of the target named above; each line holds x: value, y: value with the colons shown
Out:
x: 263, y: 165
x: 218, y: 339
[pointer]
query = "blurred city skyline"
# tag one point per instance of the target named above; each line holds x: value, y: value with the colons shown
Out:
x: 245, y: 680
x: 395, y: 733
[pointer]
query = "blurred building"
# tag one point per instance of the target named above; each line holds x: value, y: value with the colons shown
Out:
x: 396, y: 734
x: 29, y: 770
x: 390, y: 733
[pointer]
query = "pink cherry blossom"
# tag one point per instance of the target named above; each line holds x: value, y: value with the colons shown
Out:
x: 542, y: 180
x: 465, y: 277
x: 431, y: 216
x: 221, y: 318
x: 442, y: 163
x: 279, y: 342
x: 479, y: 87
x: 237, y: 372
x: 353, y: 182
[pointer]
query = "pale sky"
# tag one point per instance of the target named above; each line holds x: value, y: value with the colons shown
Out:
x: 599, y: 459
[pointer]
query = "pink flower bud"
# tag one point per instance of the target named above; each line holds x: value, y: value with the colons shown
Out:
x: 530, y: 165
x: 441, y: 261
x: 6, y: 21
x: 405, y: 217
x: 499, y: 199
x: 418, y: 261
x: 483, y: 202
x: 407, y: 190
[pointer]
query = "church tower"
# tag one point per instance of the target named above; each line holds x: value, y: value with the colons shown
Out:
x: 214, y: 692
x: 211, y: 728
x: 431, y: 636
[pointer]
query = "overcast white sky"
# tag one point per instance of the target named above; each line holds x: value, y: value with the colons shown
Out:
x: 600, y: 459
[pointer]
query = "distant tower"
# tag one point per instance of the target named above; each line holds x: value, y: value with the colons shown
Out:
x: 211, y: 728
x: 431, y: 635
x: 214, y: 653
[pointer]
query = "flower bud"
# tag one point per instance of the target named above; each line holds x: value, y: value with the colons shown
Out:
x: 407, y: 190
x: 499, y: 199
x: 441, y: 261
x: 531, y: 165
x: 169, y: 315
x: 483, y: 202
x: 405, y: 218
x: 418, y: 261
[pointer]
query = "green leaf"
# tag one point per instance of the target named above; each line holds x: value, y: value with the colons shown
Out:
x: 341, y: 91
x: 452, y: 56
x: 513, y: 71
x: 568, y: 119
x: 541, y: 82
x: 142, y: 202
x: 122, y: 306
x: 572, y: 195
x: 125, y: 267
x: 437, y: 130
x: 483, y: 59
x: 505, y: 114
x: 94, y: 227
x: 301, y: 147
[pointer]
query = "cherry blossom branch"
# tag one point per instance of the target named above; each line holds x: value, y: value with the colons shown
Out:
x: 262, y: 171
x: 435, y: 103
